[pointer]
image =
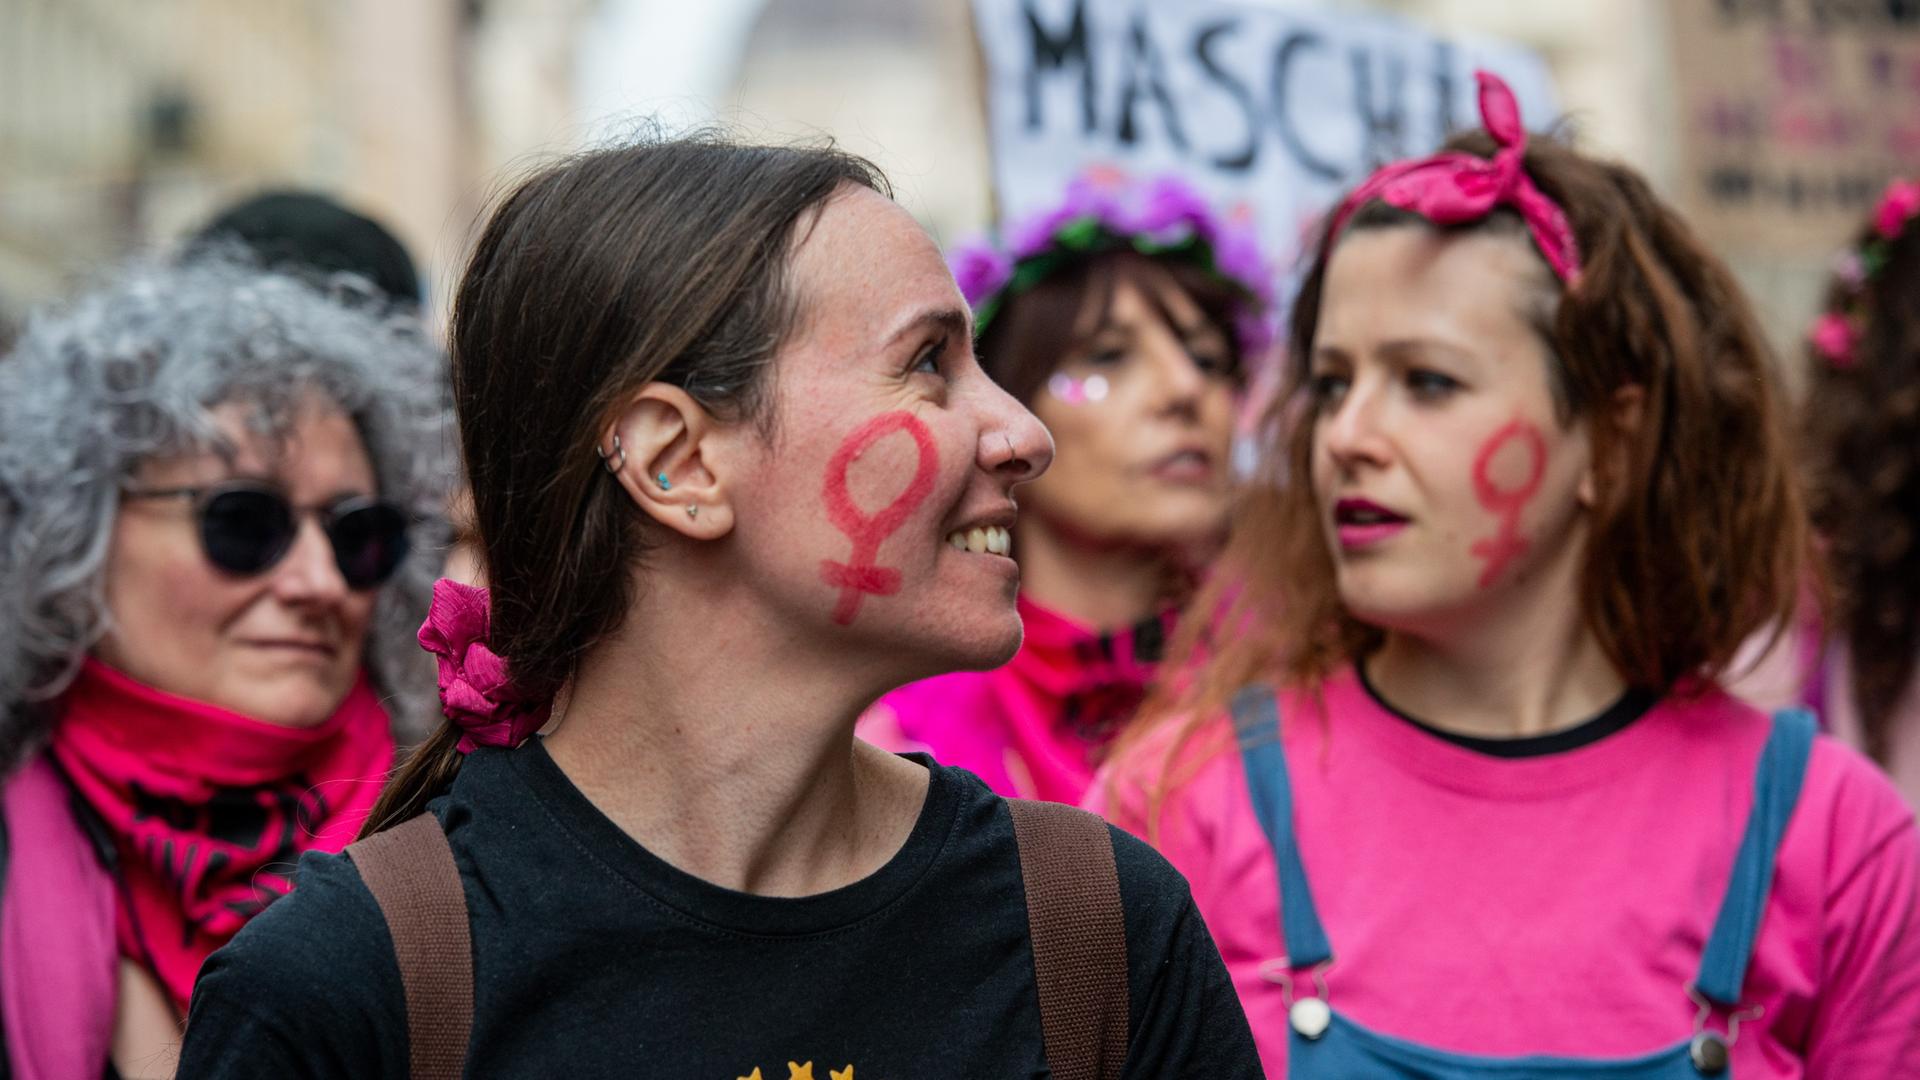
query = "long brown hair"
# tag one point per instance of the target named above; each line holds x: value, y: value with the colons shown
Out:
x: 1863, y: 428
x: 1698, y: 538
x: 665, y: 261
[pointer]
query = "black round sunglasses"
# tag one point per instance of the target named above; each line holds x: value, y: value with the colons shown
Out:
x: 248, y: 527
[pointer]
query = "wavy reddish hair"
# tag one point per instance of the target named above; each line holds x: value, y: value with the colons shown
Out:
x: 1699, y: 535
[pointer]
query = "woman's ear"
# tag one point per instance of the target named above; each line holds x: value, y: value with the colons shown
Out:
x: 1626, y: 414
x: 660, y: 449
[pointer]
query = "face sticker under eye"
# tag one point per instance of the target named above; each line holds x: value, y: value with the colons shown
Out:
x: 860, y: 575
x: 1506, y: 476
x: 1071, y: 391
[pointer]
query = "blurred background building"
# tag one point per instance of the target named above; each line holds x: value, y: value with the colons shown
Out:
x: 124, y: 123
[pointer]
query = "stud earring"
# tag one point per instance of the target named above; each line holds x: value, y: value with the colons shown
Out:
x: 693, y: 510
x: 665, y: 484
x: 615, y: 462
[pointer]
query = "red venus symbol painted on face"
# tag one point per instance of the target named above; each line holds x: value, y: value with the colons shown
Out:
x: 860, y: 574
x: 1504, y: 546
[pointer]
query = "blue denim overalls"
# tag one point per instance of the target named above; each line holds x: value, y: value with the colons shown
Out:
x: 1323, y: 1045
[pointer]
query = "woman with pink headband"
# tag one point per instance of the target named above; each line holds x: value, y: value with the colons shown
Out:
x: 1455, y: 781
x: 1124, y: 318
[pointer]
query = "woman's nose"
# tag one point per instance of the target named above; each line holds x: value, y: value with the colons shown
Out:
x: 1014, y: 444
x: 1176, y: 375
x: 309, y: 573
x: 1350, y: 431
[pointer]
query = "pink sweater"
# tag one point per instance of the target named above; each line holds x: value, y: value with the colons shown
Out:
x: 1556, y: 904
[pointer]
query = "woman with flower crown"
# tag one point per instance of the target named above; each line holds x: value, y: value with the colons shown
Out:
x: 1863, y: 426
x: 1455, y: 780
x: 720, y: 414
x: 1125, y: 318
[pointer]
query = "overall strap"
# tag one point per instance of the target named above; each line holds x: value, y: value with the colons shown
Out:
x: 1079, y: 935
x: 1776, y: 788
x: 1256, y: 716
x: 411, y: 873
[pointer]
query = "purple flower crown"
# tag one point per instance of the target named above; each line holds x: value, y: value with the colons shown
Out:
x: 1104, y: 211
x: 1836, y: 334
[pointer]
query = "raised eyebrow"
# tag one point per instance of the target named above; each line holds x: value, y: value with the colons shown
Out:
x: 1332, y: 354
x: 952, y: 320
x: 1404, y: 349
x: 1204, y: 329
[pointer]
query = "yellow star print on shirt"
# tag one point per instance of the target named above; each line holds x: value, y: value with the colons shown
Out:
x: 797, y: 1071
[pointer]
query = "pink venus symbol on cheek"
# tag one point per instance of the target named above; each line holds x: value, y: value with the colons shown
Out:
x: 1506, y: 545
x: 861, y: 575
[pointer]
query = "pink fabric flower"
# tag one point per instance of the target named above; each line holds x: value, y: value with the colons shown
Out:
x: 1833, y: 335
x: 475, y: 692
x: 1898, y: 206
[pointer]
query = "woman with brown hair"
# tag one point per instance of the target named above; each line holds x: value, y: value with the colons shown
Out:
x: 1123, y: 318
x: 1863, y: 421
x: 720, y: 417
x: 1454, y: 781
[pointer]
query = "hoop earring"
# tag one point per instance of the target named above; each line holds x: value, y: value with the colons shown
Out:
x: 613, y: 463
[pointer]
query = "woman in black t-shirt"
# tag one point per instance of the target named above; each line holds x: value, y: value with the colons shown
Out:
x: 722, y: 422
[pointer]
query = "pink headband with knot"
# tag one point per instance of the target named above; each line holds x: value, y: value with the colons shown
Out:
x: 1456, y: 188
x: 475, y: 692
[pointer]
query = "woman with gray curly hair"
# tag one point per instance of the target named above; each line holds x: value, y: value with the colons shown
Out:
x: 213, y: 486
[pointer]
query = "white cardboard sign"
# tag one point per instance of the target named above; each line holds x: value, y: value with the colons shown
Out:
x: 1273, y: 112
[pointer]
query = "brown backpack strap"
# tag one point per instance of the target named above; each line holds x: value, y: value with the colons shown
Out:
x: 1079, y: 937
x: 410, y: 871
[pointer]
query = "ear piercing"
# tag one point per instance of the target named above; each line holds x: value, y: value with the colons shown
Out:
x: 616, y: 461
x: 665, y: 484
x: 693, y: 510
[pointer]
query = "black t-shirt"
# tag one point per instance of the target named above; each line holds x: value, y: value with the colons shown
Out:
x: 594, y: 958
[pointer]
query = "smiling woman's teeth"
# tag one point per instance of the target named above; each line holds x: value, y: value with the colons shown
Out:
x: 989, y: 538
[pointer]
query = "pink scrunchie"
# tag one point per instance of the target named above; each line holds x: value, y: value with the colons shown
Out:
x: 1455, y: 188
x: 475, y: 692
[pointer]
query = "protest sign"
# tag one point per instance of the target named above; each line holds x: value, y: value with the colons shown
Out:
x: 1272, y: 111
x: 1794, y: 115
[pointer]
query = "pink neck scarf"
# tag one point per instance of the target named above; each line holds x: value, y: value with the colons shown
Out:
x: 1455, y: 188
x: 207, y: 811
x: 1036, y: 727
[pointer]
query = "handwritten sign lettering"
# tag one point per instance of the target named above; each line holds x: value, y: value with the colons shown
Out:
x: 1272, y: 112
x: 1794, y: 115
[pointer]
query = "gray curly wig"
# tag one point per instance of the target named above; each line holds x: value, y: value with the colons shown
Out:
x: 130, y: 371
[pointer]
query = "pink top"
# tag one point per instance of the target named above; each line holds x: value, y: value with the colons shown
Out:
x: 1556, y: 904
x: 1033, y: 728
